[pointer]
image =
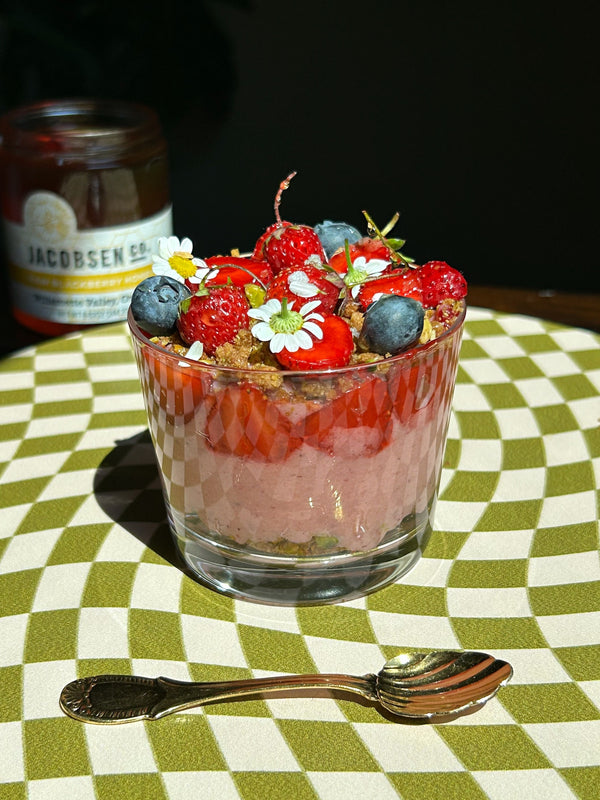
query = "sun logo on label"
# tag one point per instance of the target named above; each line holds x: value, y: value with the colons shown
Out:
x: 48, y: 217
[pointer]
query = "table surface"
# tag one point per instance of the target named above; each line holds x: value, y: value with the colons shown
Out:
x: 90, y: 584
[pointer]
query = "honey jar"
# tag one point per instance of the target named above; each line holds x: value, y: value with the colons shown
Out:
x: 84, y: 192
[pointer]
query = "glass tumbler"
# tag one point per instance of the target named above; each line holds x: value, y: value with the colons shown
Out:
x: 299, y: 488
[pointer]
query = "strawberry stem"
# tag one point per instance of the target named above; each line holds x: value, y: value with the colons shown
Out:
x: 282, y: 187
x: 353, y: 277
x: 247, y: 271
x: 377, y: 234
x: 391, y: 224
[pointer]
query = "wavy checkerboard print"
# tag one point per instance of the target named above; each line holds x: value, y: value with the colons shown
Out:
x: 87, y: 585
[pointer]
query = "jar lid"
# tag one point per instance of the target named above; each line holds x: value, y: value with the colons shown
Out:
x: 94, y: 129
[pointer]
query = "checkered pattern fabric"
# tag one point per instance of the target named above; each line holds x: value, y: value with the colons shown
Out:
x: 89, y: 583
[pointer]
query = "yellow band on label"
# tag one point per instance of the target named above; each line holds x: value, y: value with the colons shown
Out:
x: 85, y: 284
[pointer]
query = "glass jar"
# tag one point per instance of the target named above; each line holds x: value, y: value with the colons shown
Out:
x: 84, y: 191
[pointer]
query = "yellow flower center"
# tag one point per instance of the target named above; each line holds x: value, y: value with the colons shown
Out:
x: 181, y: 262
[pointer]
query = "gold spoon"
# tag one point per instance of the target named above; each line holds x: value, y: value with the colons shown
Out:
x: 415, y: 685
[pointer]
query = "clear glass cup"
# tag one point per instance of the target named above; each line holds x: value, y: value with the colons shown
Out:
x: 299, y: 488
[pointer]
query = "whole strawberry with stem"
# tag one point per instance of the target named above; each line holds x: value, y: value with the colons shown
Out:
x: 214, y: 315
x: 286, y: 244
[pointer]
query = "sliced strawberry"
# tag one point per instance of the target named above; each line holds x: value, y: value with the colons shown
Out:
x: 440, y: 282
x: 172, y: 387
x: 245, y: 423
x: 302, y: 284
x: 239, y: 270
x: 333, y: 350
x: 366, y: 410
x: 414, y: 386
x: 369, y: 248
x: 405, y: 282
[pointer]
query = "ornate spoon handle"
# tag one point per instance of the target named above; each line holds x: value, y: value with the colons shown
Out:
x: 110, y: 699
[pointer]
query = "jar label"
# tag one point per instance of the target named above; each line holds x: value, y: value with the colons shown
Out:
x: 62, y: 274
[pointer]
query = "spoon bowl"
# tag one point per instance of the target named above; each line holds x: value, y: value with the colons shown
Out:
x: 413, y: 685
x: 442, y: 682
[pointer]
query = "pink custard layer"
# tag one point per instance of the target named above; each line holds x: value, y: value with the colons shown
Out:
x: 356, y: 499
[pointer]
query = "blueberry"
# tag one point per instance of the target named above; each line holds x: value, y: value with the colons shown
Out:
x: 155, y: 304
x: 392, y: 324
x: 333, y: 235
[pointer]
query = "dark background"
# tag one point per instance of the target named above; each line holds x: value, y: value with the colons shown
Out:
x: 478, y: 122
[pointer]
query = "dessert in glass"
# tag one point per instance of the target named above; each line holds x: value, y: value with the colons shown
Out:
x: 298, y: 399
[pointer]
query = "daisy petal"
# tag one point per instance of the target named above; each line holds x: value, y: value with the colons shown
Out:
x: 303, y: 340
x: 172, y: 245
x: 263, y: 332
x: 273, y: 306
x: 259, y: 313
x: 375, y: 266
x: 307, y: 307
x: 277, y: 342
x: 313, y: 328
x: 291, y: 342
x: 301, y: 286
x: 160, y: 269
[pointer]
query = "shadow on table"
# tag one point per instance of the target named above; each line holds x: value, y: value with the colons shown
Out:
x: 127, y: 488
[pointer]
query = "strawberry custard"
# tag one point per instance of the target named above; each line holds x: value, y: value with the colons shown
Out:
x: 298, y: 400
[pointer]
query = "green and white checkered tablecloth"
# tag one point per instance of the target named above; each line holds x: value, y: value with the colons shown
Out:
x: 87, y: 586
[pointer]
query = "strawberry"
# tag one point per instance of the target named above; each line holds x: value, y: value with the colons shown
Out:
x: 369, y: 248
x: 258, y: 252
x: 414, y: 385
x: 305, y: 283
x: 288, y: 245
x: 244, y: 423
x: 213, y: 316
x: 366, y: 406
x: 292, y: 246
x: 239, y: 270
x: 378, y: 246
x: 333, y: 350
x: 405, y: 282
x: 439, y: 282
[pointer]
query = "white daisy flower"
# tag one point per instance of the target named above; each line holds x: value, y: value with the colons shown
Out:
x: 362, y: 269
x: 284, y: 328
x: 175, y: 260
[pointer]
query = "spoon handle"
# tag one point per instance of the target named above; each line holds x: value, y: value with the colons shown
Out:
x: 110, y: 699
